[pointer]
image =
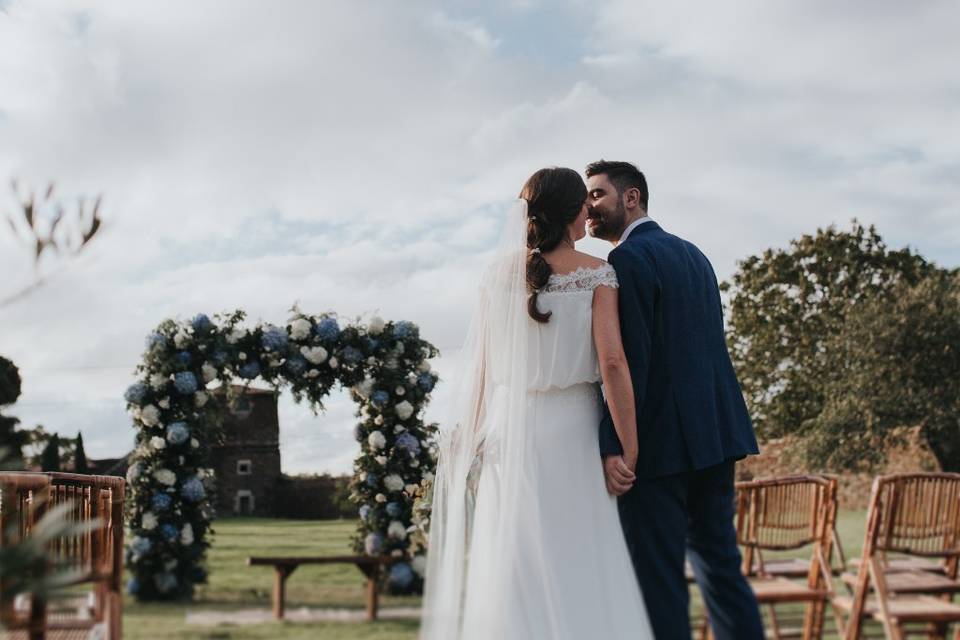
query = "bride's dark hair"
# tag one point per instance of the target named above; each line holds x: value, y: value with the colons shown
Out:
x: 554, y: 198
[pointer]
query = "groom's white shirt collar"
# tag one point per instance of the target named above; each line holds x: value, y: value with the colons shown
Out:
x: 633, y: 225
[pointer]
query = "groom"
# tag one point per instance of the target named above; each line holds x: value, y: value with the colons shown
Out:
x: 677, y: 496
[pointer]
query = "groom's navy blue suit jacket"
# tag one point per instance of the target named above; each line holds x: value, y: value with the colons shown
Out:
x: 690, y: 409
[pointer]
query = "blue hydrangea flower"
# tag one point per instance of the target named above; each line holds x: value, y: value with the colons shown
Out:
x: 401, y: 575
x: 156, y: 341
x: 372, y: 480
x: 183, y: 357
x: 394, y: 509
x: 364, y: 511
x: 274, y: 339
x: 140, y: 545
x: 379, y: 399
x: 192, y: 490
x: 133, y: 586
x: 426, y: 382
x: 178, y: 432
x: 185, y: 382
x: 352, y: 355
x: 296, y: 365
x: 327, y: 329
x: 219, y: 357
x: 250, y: 370
x: 373, y: 543
x: 165, y: 582
x: 408, y: 443
x: 404, y: 329
x: 161, y: 502
x: 169, y: 532
x: 136, y: 393
x: 201, y: 323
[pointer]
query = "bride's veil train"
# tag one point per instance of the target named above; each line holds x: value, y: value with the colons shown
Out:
x: 487, y: 422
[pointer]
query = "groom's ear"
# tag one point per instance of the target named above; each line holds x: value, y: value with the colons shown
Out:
x: 631, y: 198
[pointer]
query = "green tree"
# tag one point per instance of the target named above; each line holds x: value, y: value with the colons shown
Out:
x: 11, y: 440
x: 80, y: 464
x: 50, y: 458
x: 785, y: 306
x: 896, y: 361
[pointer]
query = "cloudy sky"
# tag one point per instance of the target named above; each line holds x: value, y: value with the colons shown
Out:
x: 359, y: 156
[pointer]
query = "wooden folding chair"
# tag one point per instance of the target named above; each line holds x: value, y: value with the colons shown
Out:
x: 90, y: 554
x: 800, y: 567
x: 917, y: 515
x: 787, y: 514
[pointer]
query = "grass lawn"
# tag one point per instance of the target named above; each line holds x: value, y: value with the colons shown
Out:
x: 233, y: 585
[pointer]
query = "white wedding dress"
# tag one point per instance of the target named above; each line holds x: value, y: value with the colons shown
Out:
x: 525, y: 542
x: 572, y: 577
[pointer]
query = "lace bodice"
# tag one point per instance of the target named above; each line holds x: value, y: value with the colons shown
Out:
x: 582, y: 279
x: 561, y: 350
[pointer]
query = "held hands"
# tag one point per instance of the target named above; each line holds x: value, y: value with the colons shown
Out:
x: 618, y: 472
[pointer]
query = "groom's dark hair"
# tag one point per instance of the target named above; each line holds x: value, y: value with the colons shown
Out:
x: 623, y: 175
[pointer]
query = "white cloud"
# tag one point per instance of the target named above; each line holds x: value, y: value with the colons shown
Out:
x: 358, y: 158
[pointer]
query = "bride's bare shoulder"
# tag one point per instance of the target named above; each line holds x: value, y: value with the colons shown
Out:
x: 588, y: 261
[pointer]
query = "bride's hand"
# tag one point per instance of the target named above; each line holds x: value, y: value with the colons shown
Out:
x: 618, y: 474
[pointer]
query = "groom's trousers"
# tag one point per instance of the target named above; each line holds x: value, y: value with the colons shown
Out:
x: 665, y: 518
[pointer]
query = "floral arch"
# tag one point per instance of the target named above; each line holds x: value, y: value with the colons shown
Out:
x: 178, y: 420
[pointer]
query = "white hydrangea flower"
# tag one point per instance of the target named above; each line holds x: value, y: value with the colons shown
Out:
x: 419, y: 565
x: 376, y: 325
x: 157, y: 381
x: 200, y: 399
x: 414, y: 463
x: 428, y: 476
x: 165, y: 476
x: 209, y: 372
x: 273, y: 362
x: 157, y: 442
x: 333, y: 363
x: 377, y: 440
x: 149, y: 521
x: 423, y: 367
x: 150, y: 416
x: 399, y: 428
x: 186, y: 534
x: 393, y: 482
x: 194, y: 443
x: 236, y: 335
x: 182, y: 339
x: 300, y: 328
x: 404, y: 410
x: 313, y: 373
x: 371, y: 360
x: 164, y: 403
x: 399, y: 391
x: 380, y: 498
x: 396, y: 553
x: 242, y: 355
x: 134, y: 472
x: 396, y: 530
x: 378, y: 420
x: 365, y: 388
x: 314, y: 355
x: 381, y: 460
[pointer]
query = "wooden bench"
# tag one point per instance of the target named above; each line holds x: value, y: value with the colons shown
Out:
x: 371, y: 566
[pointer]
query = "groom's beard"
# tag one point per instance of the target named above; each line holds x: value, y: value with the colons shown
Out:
x: 605, y: 224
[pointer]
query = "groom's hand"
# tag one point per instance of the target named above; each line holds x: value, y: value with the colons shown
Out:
x: 618, y: 475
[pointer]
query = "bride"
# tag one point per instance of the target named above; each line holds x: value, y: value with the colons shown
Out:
x: 525, y: 541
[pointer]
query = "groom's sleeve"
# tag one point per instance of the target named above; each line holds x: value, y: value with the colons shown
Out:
x: 637, y: 294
